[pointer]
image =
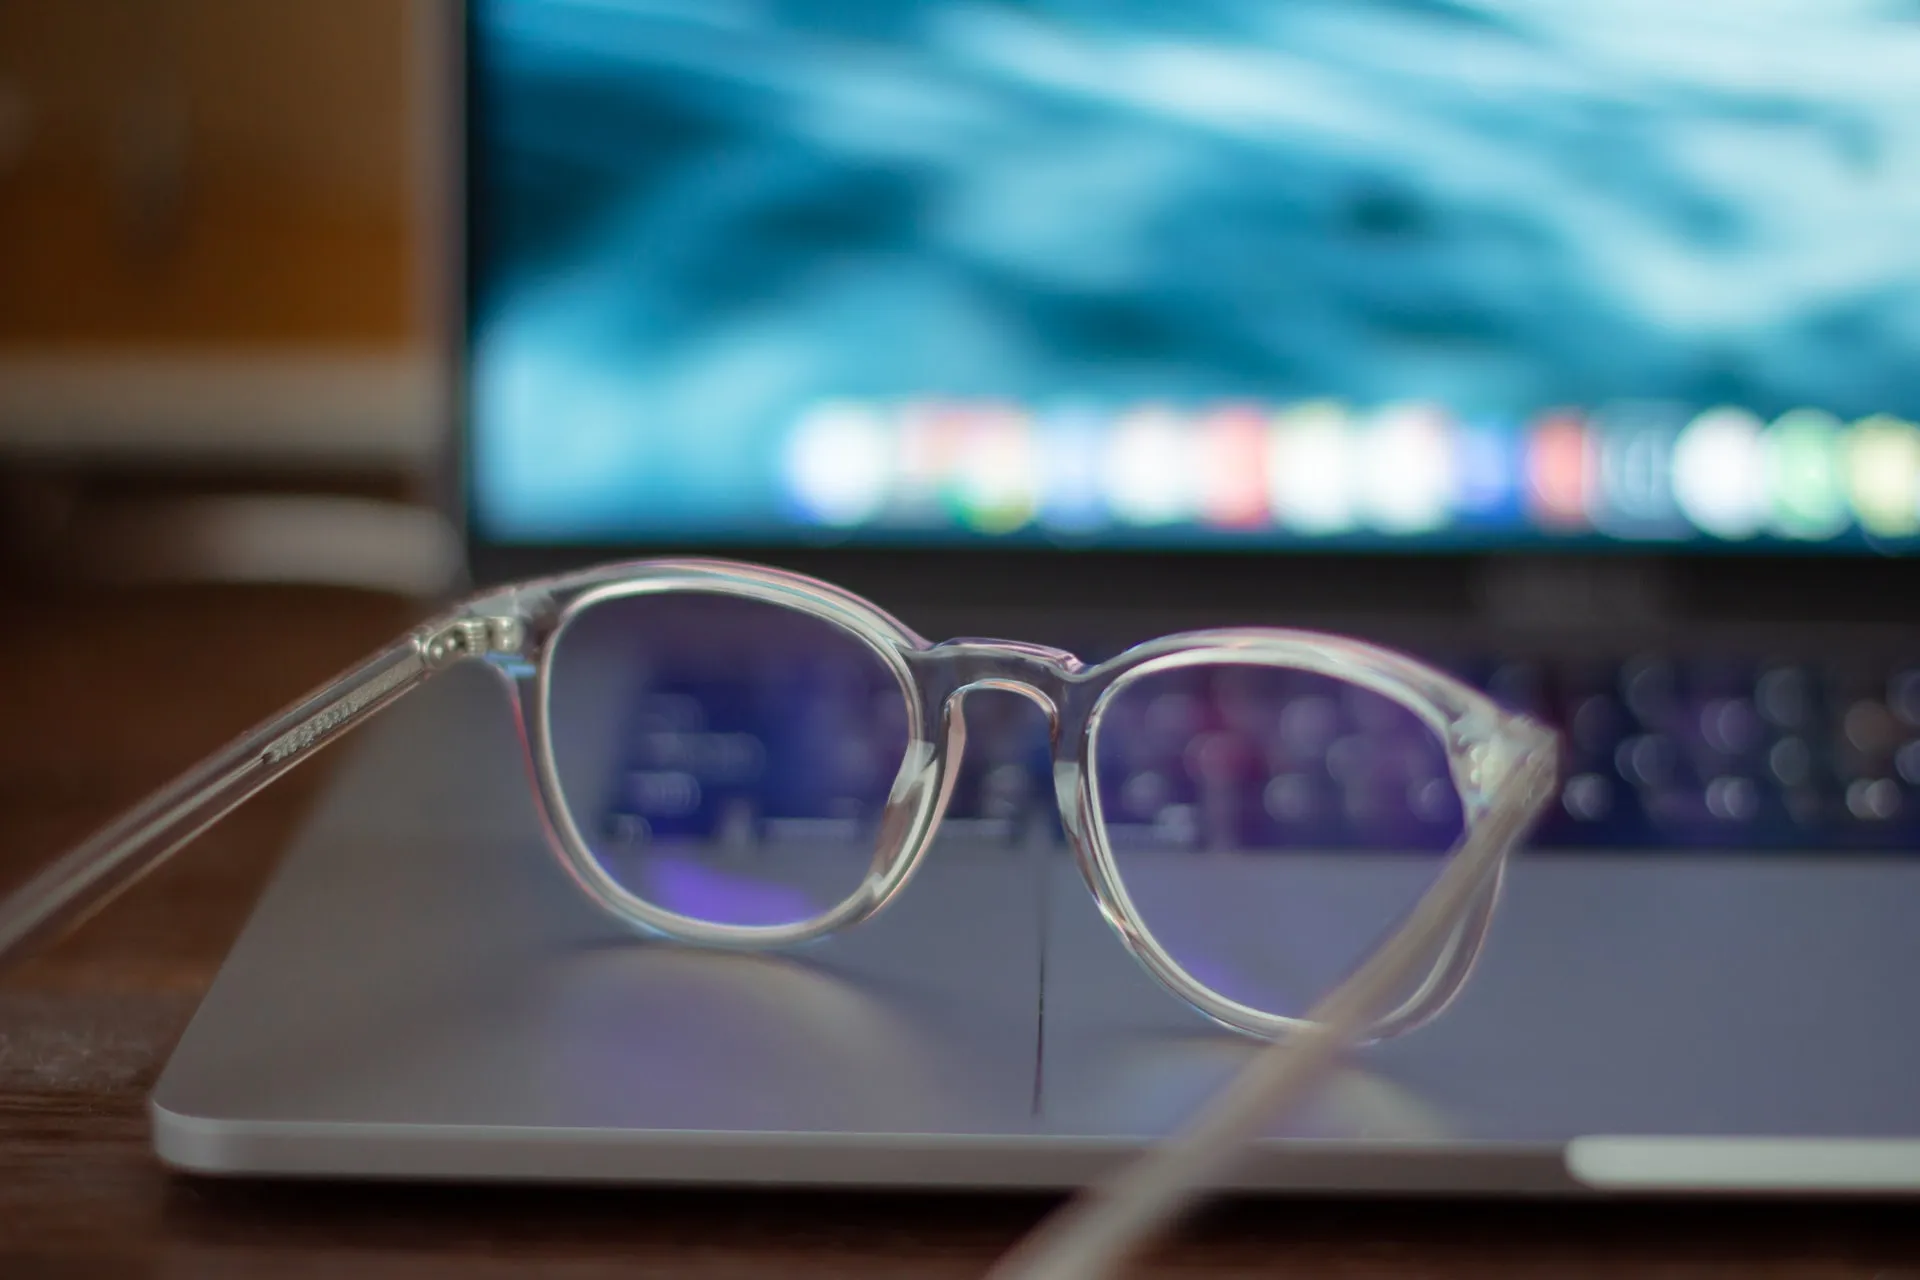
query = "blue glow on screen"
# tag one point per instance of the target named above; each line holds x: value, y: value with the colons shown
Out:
x: 1230, y: 272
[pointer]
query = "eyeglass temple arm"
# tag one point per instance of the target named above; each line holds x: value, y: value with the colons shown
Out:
x: 111, y: 860
x: 1092, y: 1236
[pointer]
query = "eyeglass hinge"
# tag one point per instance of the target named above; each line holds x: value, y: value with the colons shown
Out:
x: 474, y: 637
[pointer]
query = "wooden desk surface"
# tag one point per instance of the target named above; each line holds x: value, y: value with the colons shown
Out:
x: 105, y: 695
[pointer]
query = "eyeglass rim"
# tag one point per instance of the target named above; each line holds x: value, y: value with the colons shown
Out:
x: 889, y: 641
x: 1471, y: 725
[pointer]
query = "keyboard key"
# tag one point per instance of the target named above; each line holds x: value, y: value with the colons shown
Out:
x: 1596, y: 725
x: 1870, y: 728
x: 1873, y: 799
x: 1308, y: 725
x: 1733, y: 799
x: 1903, y: 695
x: 1907, y: 762
x: 1784, y: 696
x: 1646, y: 760
x: 1806, y: 806
x: 1790, y: 761
x: 1730, y: 726
x: 1647, y: 685
x: 1588, y: 797
x: 1291, y: 799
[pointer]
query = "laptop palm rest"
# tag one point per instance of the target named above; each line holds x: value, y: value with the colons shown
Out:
x: 422, y: 993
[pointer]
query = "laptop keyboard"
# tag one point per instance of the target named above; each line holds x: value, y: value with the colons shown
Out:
x: 1722, y: 753
x: 1659, y: 752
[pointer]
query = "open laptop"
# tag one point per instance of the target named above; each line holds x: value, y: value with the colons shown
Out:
x: 1571, y: 347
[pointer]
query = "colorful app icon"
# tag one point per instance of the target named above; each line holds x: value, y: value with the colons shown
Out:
x: 1883, y: 475
x: 1633, y: 446
x: 1806, y: 482
x: 1149, y: 468
x: 1232, y: 457
x: 997, y: 483
x: 930, y: 435
x: 1068, y: 445
x: 1487, y: 471
x: 1311, y: 468
x: 838, y: 463
x: 1559, y: 467
x: 1720, y: 475
x: 1407, y: 472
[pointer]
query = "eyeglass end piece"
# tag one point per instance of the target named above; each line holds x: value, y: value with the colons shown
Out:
x: 475, y: 636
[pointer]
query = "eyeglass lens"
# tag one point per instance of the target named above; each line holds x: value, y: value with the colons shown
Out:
x: 724, y: 758
x: 1270, y: 826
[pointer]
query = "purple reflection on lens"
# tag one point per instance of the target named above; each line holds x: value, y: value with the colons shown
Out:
x: 682, y: 884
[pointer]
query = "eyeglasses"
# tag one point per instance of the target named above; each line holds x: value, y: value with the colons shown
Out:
x: 734, y: 756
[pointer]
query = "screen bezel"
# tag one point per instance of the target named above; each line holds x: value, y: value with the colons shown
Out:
x: 1254, y: 583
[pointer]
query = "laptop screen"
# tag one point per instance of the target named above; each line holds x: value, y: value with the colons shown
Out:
x: 1108, y: 273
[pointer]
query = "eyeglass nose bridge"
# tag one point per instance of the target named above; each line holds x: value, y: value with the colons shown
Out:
x: 949, y: 671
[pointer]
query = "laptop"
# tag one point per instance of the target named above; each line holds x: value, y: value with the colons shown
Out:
x: 1569, y: 348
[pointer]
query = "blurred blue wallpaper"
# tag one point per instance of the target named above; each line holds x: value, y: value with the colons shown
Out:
x: 697, y: 223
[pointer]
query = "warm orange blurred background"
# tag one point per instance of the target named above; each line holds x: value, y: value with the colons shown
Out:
x: 190, y: 174
x: 216, y: 306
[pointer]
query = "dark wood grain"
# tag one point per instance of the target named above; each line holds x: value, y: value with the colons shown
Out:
x: 106, y: 694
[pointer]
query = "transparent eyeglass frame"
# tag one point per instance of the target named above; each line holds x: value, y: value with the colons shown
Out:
x: 1502, y: 766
